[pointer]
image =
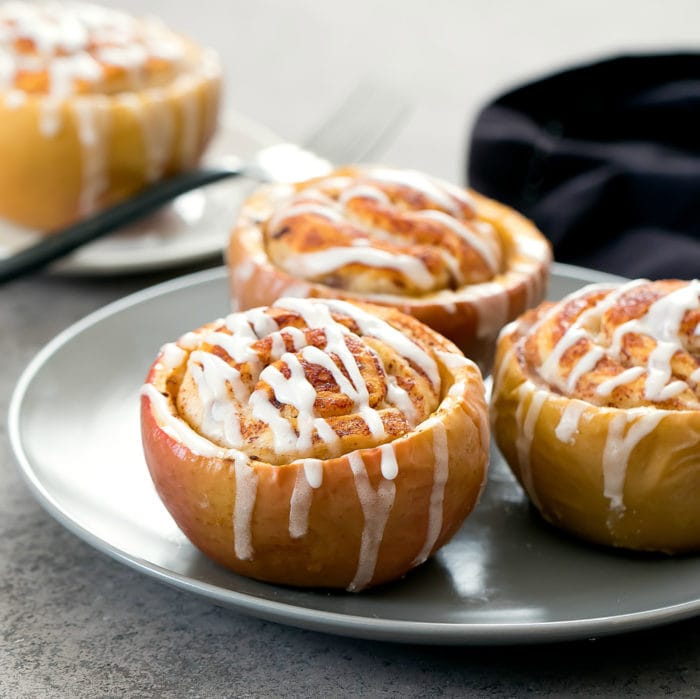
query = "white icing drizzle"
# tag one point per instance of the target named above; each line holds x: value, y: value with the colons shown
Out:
x: 373, y: 326
x: 304, y: 209
x: 238, y: 344
x: 453, y: 360
x: 492, y: 307
x: 527, y: 421
x: 459, y: 193
x: 313, y: 470
x: 91, y: 114
x: 399, y: 397
x: 485, y: 441
x: 479, y: 236
x: 533, y: 280
x: 605, y: 388
x: 503, y: 367
x: 14, y: 99
x: 302, y: 495
x: 313, y: 264
x: 189, y: 126
x: 246, y: 479
x: 65, y: 70
x: 661, y: 322
x: 180, y: 431
x: 437, y: 494
x: 189, y: 340
x: 587, y: 363
x: 355, y: 388
x: 244, y: 505
x: 389, y: 465
x: 263, y: 323
x: 130, y: 57
x: 7, y: 70
x: 451, y: 308
x: 299, y: 392
x: 418, y: 181
x: 550, y: 370
x: 482, y: 247
x: 567, y: 427
x: 533, y: 247
x: 245, y: 270
x: 157, y: 123
x: 172, y: 356
x: 619, y: 444
x: 457, y: 389
x: 213, y: 377
x: 376, y: 506
x: 158, y: 127
x: 363, y: 191
x: 295, y: 391
x: 50, y: 116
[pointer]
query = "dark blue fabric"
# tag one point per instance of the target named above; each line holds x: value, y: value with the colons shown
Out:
x: 605, y: 158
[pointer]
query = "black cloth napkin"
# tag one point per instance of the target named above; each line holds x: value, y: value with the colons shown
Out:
x: 605, y: 158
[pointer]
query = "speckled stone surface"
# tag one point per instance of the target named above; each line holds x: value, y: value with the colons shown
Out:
x: 74, y: 623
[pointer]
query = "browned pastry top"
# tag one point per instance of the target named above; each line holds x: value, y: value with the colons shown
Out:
x: 620, y: 346
x: 380, y: 230
x: 306, y: 378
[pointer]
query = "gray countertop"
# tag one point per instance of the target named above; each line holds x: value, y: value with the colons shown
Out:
x: 74, y: 623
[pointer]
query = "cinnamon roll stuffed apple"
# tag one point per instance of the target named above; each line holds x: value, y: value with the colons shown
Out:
x: 316, y: 442
x: 596, y: 407
x: 94, y: 104
x: 459, y: 262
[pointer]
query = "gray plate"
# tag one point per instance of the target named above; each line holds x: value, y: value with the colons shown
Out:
x: 505, y: 578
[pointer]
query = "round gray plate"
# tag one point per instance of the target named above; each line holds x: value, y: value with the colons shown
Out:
x: 505, y: 578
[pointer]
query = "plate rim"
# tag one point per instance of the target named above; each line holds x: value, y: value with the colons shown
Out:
x: 351, y: 625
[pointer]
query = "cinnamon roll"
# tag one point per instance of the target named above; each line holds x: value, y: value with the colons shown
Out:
x: 94, y: 104
x: 316, y: 442
x: 596, y: 407
x: 461, y: 263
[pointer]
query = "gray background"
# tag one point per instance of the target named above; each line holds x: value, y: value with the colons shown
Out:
x: 73, y: 623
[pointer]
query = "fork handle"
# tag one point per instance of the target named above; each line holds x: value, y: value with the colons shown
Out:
x: 59, y: 243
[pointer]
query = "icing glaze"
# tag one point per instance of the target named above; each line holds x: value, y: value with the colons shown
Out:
x: 567, y: 427
x: 527, y: 422
x: 302, y: 495
x: 385, y: 240
x: 246, y: 489
x: 437, y: 494
x: 659, y: 324
x: 625, y: 432
x: 376, y: 506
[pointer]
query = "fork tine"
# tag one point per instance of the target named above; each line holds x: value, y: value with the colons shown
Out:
x: 362, y: 125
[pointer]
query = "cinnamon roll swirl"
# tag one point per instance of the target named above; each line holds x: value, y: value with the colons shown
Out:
x: 461, y: 263
x: 596, y: 407
x: 316, y: 442
x: 94, y: 104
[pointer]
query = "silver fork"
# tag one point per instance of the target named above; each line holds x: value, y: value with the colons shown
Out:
x: 358, y: 129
